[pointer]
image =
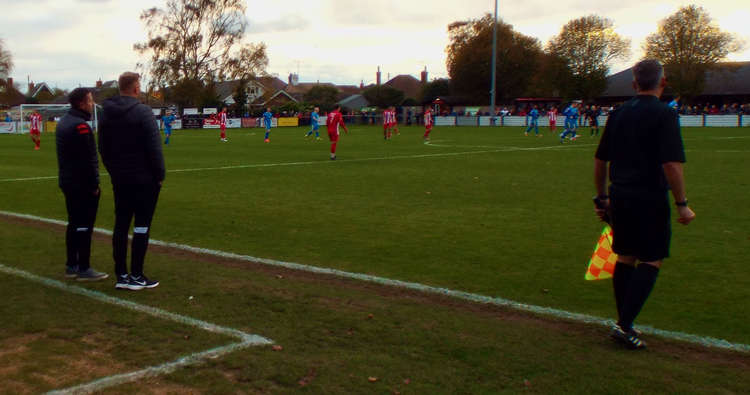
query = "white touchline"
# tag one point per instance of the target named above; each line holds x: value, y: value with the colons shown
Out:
x: 319, y: 162
x: 497, y: 301
x: 246, y: 339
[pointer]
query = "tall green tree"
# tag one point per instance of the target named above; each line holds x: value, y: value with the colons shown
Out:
x: 199, y: 41
x: 240, y: 97
x: 688, y: 43
x: 383, y: 96
x: 588, y: 45
x: 469, y: 59
x: 323, y: 96
x: 431, y: 90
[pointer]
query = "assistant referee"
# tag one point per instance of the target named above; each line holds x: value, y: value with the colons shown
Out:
x: 643, y: 146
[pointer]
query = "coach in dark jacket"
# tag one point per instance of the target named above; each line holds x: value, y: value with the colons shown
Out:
x: 130, y: 145
x: 78, y: 177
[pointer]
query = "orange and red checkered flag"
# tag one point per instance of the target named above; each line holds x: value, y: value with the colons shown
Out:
x: 602, y: 263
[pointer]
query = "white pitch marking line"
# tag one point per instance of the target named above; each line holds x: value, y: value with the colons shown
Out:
x: 260, y: 165
x: 246, y: 339
x: 497, y: 301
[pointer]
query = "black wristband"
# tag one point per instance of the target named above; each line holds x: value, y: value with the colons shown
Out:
x: 681, y: 204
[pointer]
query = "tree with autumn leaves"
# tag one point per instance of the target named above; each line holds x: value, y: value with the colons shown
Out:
x: 194, y: 43
x: 689, y: 44
x: 575, y: 63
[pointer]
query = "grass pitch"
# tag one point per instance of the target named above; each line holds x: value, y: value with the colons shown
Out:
x: 483, y: 210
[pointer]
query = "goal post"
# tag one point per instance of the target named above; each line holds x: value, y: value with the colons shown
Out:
x: 51, y: 114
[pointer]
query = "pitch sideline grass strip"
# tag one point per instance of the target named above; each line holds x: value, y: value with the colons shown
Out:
x: 706, y: 341
x: 246, y: 339
x: 260, y: 165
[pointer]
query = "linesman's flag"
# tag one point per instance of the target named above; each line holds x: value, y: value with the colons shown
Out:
x: 602, y: 263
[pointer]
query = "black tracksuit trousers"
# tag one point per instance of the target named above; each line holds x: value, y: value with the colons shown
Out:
x: 138, y: 203
x: 82, y: 205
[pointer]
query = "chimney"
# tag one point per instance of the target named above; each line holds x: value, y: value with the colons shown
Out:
x: 99, y: 84
x: 362, y: 84
x: 31, y: 88
x: 424, y: 75
x: 10, y: 82
x: 378, y: 76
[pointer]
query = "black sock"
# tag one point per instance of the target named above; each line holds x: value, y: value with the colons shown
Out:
x: 140, y: 245
x: 620, y: 281
x: 641, y: 284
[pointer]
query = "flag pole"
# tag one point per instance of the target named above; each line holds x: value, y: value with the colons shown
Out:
x: 494, y: 60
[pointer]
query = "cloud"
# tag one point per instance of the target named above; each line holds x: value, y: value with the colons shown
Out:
x: 284, y: 24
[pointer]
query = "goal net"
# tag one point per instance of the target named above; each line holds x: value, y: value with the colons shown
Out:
x: 51, y: 114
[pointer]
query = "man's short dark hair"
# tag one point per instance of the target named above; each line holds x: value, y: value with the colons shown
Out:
x: 127, y: 80
x: 647, y: 74
x: 77, y: 96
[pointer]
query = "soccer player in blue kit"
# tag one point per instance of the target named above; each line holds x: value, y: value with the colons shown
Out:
x: 267, y: 117
x: 571, y: 122
x: 314, y: 124
x: 168, y: 119
x: 534, y: 123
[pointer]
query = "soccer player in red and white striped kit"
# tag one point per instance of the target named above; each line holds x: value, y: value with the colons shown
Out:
x: 427, y: 125
x: 334, y: 120
x: 387, y: 124
x: 223, y: 124
x: 552, y: 114
x: 35, y: 127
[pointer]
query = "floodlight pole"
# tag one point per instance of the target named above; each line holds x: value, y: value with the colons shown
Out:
x: 494, y: 60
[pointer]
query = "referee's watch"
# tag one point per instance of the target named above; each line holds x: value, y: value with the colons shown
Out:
x: 681, y: 204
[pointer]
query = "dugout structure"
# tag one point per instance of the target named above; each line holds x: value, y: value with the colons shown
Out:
x: 51, y: 114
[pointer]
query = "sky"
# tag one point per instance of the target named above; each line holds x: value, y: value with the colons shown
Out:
x: 71, y: 43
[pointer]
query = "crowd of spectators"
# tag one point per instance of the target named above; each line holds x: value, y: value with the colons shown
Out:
x: 713, y: 109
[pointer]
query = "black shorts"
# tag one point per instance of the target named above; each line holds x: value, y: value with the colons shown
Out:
x: 641, y: 228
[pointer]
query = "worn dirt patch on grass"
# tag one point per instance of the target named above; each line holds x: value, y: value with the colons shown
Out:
x: 675, y: 349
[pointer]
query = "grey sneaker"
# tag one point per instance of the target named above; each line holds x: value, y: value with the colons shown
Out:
x: 71, y: 271
x: 91, y: 275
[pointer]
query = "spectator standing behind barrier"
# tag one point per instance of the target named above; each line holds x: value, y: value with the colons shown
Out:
x: 78, y: 175
x: 643, y: 145
x: 130, y: 146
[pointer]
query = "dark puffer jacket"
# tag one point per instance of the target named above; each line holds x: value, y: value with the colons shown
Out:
x: 77, y: 162
x: 129, y: 142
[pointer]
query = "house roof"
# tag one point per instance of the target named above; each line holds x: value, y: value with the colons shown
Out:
x: 303, y: 87
x: 12, y: 98
x: 728, y: 78
x: 278, y: 93
x: 226, y: 89
x: 407, y: 84
x: 354, y: 102
x: 38, y: 89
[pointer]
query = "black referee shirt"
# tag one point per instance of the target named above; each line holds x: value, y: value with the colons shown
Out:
x: 639, y: 137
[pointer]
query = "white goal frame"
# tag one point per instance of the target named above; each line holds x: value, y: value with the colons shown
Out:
x: 24, y: 126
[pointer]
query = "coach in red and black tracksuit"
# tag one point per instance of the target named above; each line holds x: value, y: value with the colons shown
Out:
x: 130, y: 145
x: 78, y: 175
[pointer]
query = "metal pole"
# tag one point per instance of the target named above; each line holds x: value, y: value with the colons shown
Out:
x: 494, y: 60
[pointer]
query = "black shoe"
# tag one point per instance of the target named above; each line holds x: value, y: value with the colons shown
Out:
x: 629, y: 338
x: 140, y: 282
x: 71, y: 271
x: 122, y: 282
x: 91, y: 275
